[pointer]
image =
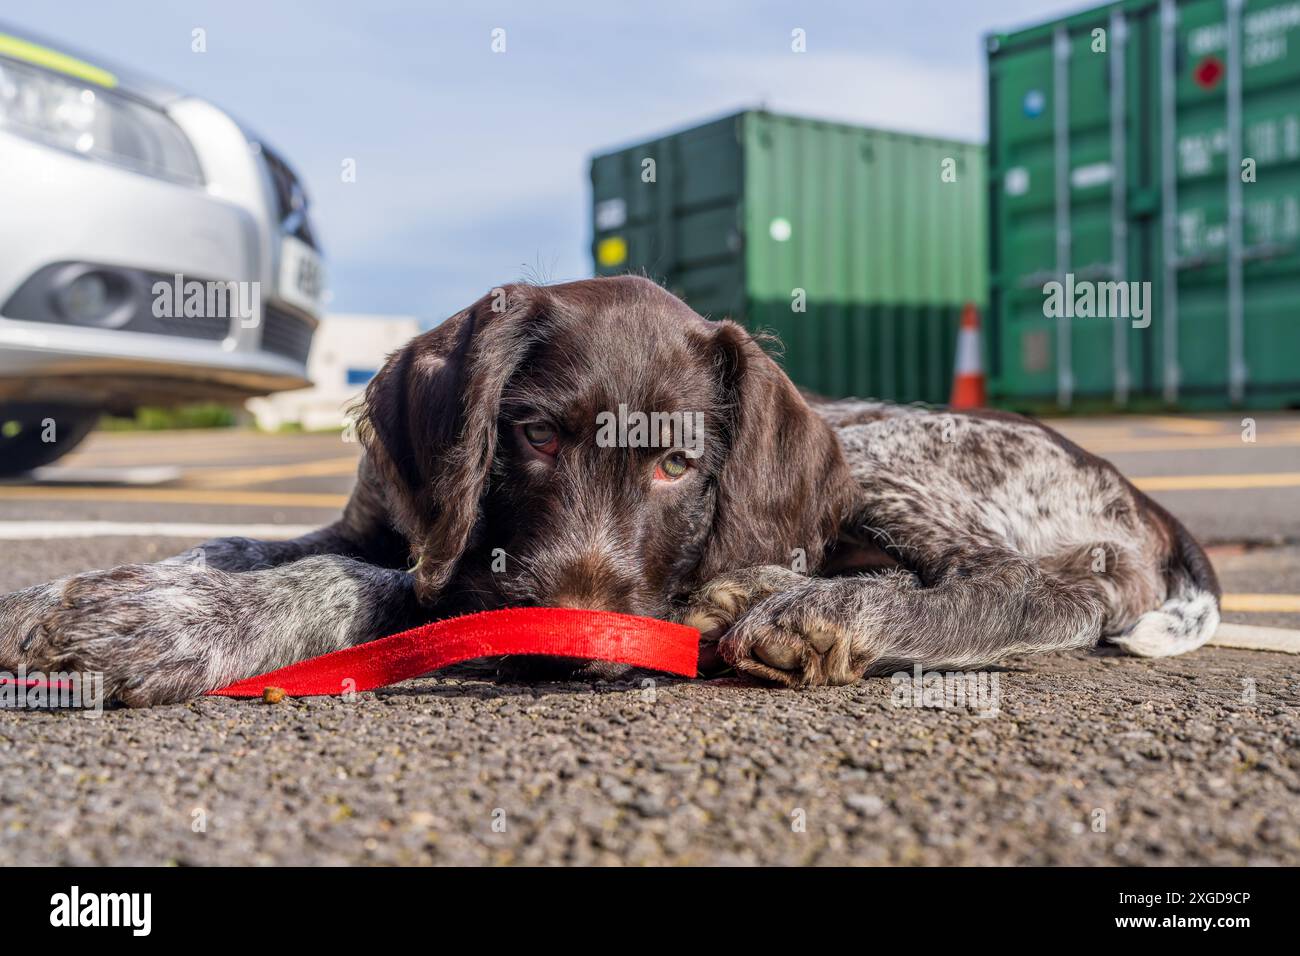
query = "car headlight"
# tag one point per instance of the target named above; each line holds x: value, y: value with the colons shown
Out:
x: 94, y: 122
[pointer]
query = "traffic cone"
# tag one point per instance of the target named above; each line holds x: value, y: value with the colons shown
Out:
x: 968, y: 379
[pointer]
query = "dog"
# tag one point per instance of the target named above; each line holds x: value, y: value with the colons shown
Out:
x: 811, y: 541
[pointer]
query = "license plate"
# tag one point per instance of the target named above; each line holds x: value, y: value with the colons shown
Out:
x: 302, y: 275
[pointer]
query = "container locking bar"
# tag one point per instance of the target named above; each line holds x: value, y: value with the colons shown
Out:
x: 1061, y: 157
x: 1236, y: 297
x: 1169, y: 194
x: 1118, y: 196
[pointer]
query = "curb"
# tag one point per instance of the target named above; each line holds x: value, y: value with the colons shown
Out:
x: 1253, y: 637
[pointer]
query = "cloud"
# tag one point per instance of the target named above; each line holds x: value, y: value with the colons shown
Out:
x: 872, y: 89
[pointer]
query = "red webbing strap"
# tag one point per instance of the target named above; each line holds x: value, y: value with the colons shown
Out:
x: 555, y: 632
x: 42, y: 682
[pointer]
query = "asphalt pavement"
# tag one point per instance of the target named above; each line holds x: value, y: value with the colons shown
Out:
x: 1073, y: 758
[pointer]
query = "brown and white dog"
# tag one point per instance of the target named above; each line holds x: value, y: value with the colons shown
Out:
x: 812, y: 542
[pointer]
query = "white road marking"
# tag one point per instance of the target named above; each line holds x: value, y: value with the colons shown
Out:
x: 143, y: 475
x: 39, y: 530
x: 1254, y: 637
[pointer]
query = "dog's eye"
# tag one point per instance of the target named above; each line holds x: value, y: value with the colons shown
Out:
x: 542, y: 436
x: 673, y: 467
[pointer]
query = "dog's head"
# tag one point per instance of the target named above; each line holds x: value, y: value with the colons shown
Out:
x: 595, y: 444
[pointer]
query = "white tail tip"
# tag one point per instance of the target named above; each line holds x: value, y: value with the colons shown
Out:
x: 1181, y: 624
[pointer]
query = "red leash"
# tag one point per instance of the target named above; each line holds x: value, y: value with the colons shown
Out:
x: 551, y: 631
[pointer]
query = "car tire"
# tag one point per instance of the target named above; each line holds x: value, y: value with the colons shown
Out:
x: 24, y: 428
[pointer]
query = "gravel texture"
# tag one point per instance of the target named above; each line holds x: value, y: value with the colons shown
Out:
x: 1190, y: 760
x: 1088, y: 760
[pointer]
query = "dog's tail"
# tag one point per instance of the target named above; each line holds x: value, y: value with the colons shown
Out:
x: 1190, y: 614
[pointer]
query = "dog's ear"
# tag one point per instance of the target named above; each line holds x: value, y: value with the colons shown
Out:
x: 429, y: 425
x: 782, y: 488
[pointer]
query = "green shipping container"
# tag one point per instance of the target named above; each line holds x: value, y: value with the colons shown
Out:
x: 857, y: 247
x: 1156, y: 144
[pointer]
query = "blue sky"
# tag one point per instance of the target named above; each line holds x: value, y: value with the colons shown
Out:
x: 472, y: 167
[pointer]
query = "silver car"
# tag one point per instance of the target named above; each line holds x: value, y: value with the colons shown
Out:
x: 152, y: 252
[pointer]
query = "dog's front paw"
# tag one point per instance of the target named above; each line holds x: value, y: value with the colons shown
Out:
x: 716, y: 606
x: 151, y: 631
x: 791, y: 639
x: 20, y: 615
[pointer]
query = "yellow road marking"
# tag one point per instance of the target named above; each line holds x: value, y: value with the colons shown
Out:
x: 225, y: 477
x: 1261, y: 602
x: 1181, y: 443
x: 187, y: 443
x: 205, y: 437
x: 176, y: 496
x: 1283, y: 479
x: 93, y: 457
x: 1184, y: 426
x: 1086, y: 433
x: 1125, y: 428
x: 212, y: 462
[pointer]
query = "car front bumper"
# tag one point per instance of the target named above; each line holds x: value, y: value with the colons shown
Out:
x: 122, y: 370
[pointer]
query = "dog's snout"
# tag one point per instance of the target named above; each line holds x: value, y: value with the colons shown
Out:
x: 592, y: 581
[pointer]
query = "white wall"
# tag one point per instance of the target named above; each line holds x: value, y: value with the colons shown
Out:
x: 345, y: 352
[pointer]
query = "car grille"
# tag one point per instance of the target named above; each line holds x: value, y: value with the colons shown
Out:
x: 211, y: 328
x: 285, y: 333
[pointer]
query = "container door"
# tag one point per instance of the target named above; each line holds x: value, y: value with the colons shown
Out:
x: 1061, y: 158
x: 668, y: 209
x: 1230, y: 131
